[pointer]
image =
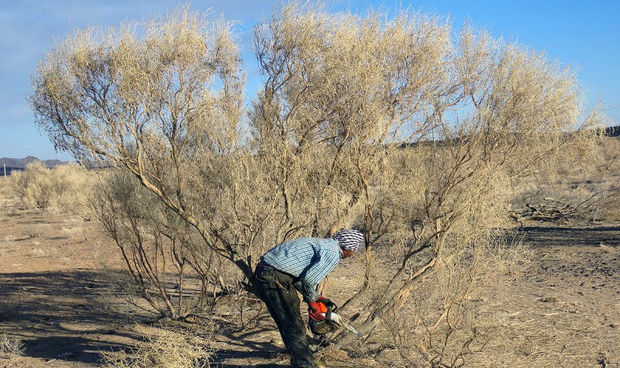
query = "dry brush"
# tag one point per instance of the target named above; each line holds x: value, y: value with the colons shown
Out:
x: 393, y: 125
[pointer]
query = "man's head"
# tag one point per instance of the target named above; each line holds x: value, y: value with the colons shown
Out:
x: 350, y: 241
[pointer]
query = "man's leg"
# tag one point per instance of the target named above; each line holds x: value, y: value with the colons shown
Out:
x: 283, y: 305
x: 291, y: 326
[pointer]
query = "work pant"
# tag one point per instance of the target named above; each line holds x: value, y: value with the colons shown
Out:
x: 276, y: 289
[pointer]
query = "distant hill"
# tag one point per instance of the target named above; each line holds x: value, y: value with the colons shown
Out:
x: 19, y: 164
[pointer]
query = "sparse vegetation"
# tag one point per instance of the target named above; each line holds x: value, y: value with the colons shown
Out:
x: 11, y: 351
x: 65, y: 187
x: 10, y: 346
x: 34, y: 231
x: 391, y: 125
x: 165, y: 349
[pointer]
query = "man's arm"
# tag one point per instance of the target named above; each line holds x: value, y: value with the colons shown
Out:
x: 308, y: 291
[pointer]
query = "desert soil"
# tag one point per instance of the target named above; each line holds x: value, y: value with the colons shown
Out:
x: 61, y: 294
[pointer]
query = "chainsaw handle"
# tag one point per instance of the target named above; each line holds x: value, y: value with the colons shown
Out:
x: 331, y: 306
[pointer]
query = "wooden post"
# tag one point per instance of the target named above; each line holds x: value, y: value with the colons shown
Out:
x: 4, y: 170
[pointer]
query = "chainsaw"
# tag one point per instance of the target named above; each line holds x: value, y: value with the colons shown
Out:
x: 331, y: 323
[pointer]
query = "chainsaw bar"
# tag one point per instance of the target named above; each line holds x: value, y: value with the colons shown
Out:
x: 353, y: 330
x: 338, y: 320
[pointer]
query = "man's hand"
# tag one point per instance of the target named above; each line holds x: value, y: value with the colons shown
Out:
x: 317, y: 310
x: 335, y: 318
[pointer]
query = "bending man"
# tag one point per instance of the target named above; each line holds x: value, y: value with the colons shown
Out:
x: 300, y: 264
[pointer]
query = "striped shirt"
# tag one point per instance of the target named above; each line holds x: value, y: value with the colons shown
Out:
x: 309, y: 260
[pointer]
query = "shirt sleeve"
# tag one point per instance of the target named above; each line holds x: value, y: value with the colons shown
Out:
x: 314, y: 273
x: 307, y: 290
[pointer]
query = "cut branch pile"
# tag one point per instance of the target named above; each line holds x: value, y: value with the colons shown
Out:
x: 549, y: 211
x: 554, y: 210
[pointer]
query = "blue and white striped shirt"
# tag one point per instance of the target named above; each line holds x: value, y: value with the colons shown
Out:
x: 309, y: 259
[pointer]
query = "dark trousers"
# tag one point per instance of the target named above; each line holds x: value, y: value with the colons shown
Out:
x: 276, y: 289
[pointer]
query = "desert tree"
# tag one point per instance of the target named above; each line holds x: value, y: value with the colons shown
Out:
x: 416, y: 135
x: 393, y: 125
x: 161, y: 101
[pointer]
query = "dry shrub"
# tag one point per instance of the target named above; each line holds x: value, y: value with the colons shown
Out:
x: 35, y: 231
x: 440, y: 326
x: 65, y: 187
x: 170, y: 272
x: 73, y: 185
x: 388, y: 124
x: 11, y: 351
x: 10, y: 345
x: 34, y: 186
x: 164, y: 349
x: 4, y: 191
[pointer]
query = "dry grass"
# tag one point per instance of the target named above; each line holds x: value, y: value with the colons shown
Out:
x: 164, y: 349
x: 10, y: 346
x: 64, y: 188
x: 35, y: 231
x: 11, y: 351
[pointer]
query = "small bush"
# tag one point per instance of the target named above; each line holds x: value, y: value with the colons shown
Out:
x: 34, y: 186
x: 10, y: 346
x: 166, y: 349
x: 65, y: 187
x: 34, y: 231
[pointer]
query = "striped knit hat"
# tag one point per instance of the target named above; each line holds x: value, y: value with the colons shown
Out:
x: 350, y: 239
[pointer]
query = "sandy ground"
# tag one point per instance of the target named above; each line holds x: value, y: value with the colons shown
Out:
x: 61, y: 295
x: 565, y: 312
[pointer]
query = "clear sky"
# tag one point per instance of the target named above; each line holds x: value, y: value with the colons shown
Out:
x: 584, y: 35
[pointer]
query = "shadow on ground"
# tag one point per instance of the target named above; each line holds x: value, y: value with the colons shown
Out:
x: 72, y: 316
x: 75, y: 316
x: 254, y: 344
x: 542, y: 236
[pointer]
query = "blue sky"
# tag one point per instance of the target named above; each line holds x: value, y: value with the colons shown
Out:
x: 584, y: 35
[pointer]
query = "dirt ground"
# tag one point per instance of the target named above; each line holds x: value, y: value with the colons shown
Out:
x: 565, y: 312
x: 61, y: 294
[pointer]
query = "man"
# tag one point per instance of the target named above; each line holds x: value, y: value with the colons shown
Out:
x: 300, y: 264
